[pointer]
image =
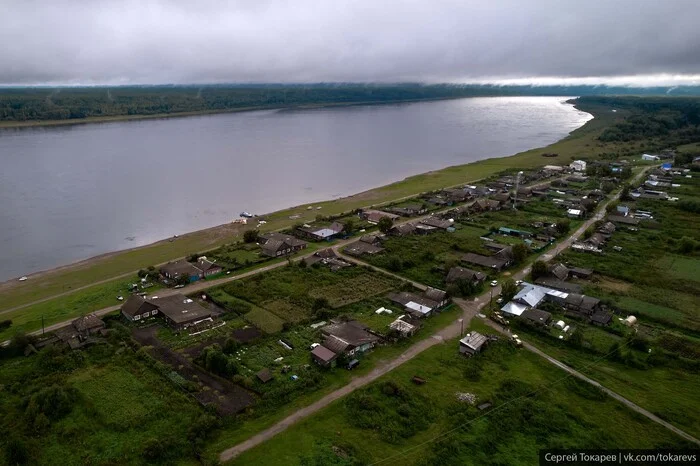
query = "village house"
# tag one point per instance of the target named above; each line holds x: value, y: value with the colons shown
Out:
x: 456, y: 195
x: 472, y: 343
x: 181, y: 312
x: 175, y: 270
x: 502, y: 259
x: 607, y: 229
x: 486, y: 205
x: 82, y: 328
x: 137, y: 308
x: 420, y: 305
x: 557, y: 284
x: 436, y: 222
x: 404, y: 326
x: 502, y: 198
x: 360, y: 248
x: 374, y: 216
x: 578, y: 165
x: 622, y: 220
x: 531, y: 296
x: 326, y: 233
x: 207, y: 267
x: 410, y: 210
x: 278, y: 244
x: 536, y: 317
x: 178, y: 311
x: 403, y: 229
x: 456, y: 274
x: 348, y: 338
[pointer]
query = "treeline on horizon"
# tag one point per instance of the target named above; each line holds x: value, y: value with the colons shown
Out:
x: 675, y: 121
x: 66, y: 103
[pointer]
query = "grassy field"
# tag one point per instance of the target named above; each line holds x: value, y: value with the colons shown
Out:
x: 392, y: 420
x: 95, y: 406
x: 581, y: 142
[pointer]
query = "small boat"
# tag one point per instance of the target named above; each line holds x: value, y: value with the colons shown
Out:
x: 246, y: 214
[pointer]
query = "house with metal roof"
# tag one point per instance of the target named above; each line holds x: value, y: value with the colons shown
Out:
x: 472, y: 343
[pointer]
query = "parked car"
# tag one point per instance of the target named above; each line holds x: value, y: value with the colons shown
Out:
x: 179, y: 286
x: 353, y: 364
x: 494, y: 283
x: 22, y: 279
x: 120, y: 298
x: 314, y: 345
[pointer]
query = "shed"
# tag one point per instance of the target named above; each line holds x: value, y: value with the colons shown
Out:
x: 264, y: 375
x: 323, y: 356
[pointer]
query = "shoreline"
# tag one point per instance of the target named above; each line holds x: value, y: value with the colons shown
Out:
x: 238, y: 228
x: 12, y: 124
x: 109, y: 267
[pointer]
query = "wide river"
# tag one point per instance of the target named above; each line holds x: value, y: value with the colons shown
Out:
x: 72, y: 192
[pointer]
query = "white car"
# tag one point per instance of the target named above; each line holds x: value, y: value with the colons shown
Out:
x: 22, y: 279
x: 179, y: 286
x: 518, y: 282
x: 120, y: 298
x: 314, y: 345
x: 499, y: 300
x: 494, y: 283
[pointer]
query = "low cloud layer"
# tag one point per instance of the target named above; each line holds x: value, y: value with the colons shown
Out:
x: 209, y: 41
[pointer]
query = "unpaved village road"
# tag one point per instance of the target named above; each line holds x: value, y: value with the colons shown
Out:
x: 469, y: 310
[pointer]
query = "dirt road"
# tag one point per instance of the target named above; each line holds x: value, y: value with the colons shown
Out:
x: 453, y: 330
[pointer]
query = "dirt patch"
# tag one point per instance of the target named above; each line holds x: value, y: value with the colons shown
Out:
x: 226, y: 397
x: 245, y: 335
x: 613, y: 285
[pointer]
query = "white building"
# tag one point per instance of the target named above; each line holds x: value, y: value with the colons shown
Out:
x: 650, y: 157
x: 578, y: 165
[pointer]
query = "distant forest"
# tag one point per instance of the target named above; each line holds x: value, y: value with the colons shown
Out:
x: 74, y: 103
x: 674, y: 120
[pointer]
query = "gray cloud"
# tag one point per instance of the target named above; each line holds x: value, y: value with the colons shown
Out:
x: 188, y: 41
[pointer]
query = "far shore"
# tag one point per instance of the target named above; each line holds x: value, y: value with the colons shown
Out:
x: 160, y: 116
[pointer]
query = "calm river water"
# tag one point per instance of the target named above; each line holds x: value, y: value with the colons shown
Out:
x: 73, y: 192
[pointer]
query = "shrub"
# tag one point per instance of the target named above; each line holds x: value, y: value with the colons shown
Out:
x: 250, y: 236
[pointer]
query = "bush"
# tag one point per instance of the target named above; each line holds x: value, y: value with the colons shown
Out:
x: 539, y: 269
x: 5, y: 324
x: 49, y: 404
x: 251, y: 236
x: 16, y: 452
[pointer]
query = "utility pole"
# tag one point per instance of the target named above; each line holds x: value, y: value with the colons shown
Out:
x: 517, y: 186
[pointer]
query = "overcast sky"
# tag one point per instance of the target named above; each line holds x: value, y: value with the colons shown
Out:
x: 208, y: 41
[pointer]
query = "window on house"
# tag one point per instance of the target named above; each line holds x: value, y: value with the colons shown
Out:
x: 137, y: 317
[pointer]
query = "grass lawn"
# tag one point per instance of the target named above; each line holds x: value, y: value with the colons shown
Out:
x: 665, y: 388
x: 580, y: 143
x: 399, y: 421
x: 107, y: 408
x: 67, y: 307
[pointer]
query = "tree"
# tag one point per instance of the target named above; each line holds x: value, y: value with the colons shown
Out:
x: 250, y: 236
x: 563, y: 227
x: 607, y: 187
x: 183, y: 279
x: 349, y: 226
x: 625, y: 194
x: 539, y: 269
x: 385, y: 224
x: 519, y: 253
x: 508, y: 290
